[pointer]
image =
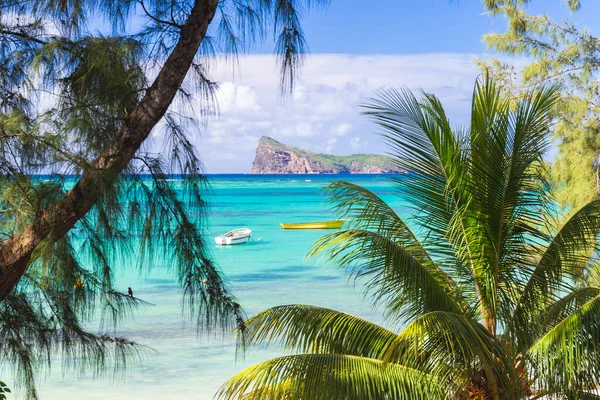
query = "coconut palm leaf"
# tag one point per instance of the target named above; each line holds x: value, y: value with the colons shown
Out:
x: 568, y: 252
x: 285, y: 390
x: 505, y: 151
x: 367, y: 211
x: 423, y: 144
x: 448, y: 345
x: 331, y: 376
x: 507, y: 186
x: 407, y: 286
x: 567, y: 305
x: 568, y: 355
x: 311, y: 329
x: 589, y: 276
x: 581, y: 395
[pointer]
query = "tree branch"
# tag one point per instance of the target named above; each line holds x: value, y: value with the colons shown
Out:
x: 23, y: 35
x: 158, y: 20
x: 55, y: 222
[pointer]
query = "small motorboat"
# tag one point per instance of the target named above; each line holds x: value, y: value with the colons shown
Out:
x: 236, y: 236
x: 315, y: 225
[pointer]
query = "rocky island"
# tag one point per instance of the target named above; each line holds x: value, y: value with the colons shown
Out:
x: 273, y: 157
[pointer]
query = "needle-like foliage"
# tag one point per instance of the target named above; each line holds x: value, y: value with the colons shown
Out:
x: 84, y: 191
x: 562, y: 51
x: 497, y: 299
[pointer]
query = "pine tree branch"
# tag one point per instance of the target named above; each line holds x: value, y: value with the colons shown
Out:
x: 158, y: 20
x: 23, y: 35
x: 55, y: 222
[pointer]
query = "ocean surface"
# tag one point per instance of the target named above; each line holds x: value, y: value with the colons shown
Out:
x: 262, y: 273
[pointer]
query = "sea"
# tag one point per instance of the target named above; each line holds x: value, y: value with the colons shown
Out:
x: 270, y: 270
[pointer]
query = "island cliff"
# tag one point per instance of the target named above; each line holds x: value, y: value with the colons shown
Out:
x: 273, y: 157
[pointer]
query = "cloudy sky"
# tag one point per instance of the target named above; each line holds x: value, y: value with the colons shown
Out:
x: 323, y: 114
x: 357, y: 47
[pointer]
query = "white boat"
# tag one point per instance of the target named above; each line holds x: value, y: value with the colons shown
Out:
x: 236, y: 236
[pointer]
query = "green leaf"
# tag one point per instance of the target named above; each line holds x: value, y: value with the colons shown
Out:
x: 318, y: 376
x: 568, y: 252
x: 395, y: 278
x: 317, y: 330
x: 449, y: 346
x: 568, y: 354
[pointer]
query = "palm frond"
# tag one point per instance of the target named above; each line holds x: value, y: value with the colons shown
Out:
x: 567, y: 305
x: 329, y: 376
x: 568, y: 253
x: 566, y: 357
x: 286, y: 390
x: 311, y: 329
x: 508, y: 186
x: 450, y: 346
x: 365, y: 210
x: 407, y: 286
x: 422, y: 143
x: 592, y: 394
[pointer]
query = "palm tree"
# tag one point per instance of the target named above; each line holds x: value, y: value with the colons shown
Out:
x: 498, y: 296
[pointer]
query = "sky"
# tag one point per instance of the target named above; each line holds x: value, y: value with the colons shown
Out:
x: 356, y: 48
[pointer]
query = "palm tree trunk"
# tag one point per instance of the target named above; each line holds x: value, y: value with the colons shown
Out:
x: 56, y: 221
x: 489, y: 322
x: 491, y: 381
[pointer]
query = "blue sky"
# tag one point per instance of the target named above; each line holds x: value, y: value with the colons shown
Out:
x: 357, y: 47
x: 397, y: 27
x: 417, y: 26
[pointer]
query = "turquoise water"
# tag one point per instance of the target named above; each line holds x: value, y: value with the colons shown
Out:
x: 262, y: 274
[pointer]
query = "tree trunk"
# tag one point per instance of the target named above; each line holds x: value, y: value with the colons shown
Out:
x: 489, y: 322
x: 491, y: 381
x: 54, y: 222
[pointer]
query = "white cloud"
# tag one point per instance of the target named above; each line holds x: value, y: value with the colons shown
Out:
x: 330, y: 143
x: 234, y: 98
x: 300, y: 130
x: 325, y: 104
x: 342, y: 129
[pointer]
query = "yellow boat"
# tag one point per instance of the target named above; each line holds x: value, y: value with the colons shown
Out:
x: 315, y: 225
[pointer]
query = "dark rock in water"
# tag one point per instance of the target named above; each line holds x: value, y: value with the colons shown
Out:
x: 273, y: 157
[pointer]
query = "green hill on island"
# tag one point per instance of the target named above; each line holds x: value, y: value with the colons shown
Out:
x: 273, y: 157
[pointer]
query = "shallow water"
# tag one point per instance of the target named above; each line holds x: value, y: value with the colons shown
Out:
x: 262, y: 274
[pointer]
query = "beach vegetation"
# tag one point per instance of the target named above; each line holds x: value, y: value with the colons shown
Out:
x: 485, y: 291
x: 3, y: 390
x: 99, y: 102
x: 564, y: 52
